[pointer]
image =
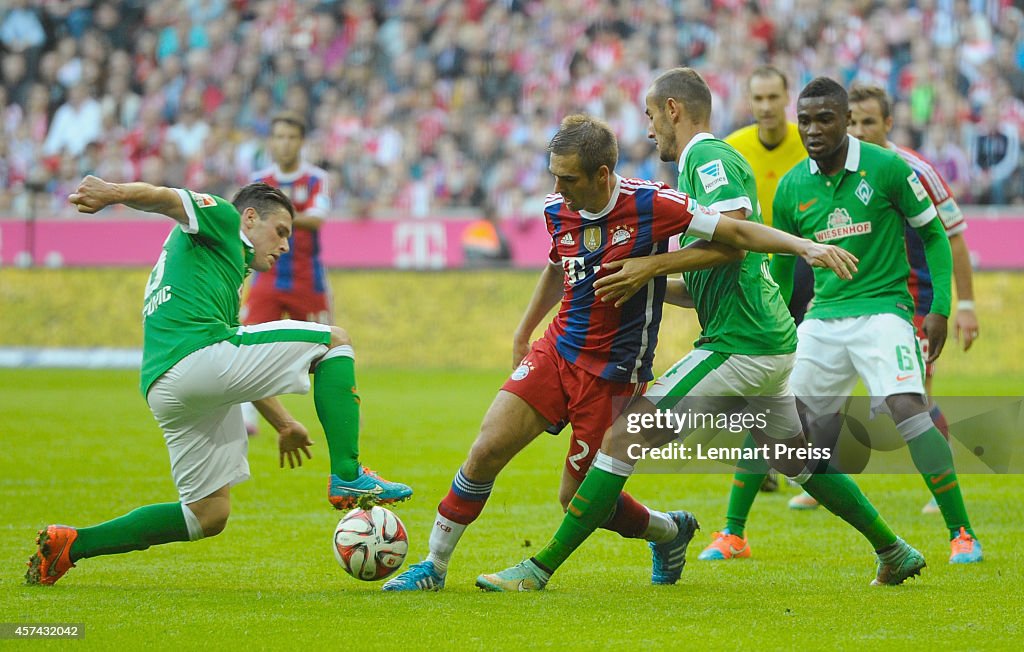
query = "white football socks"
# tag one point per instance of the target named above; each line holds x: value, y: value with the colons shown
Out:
x: 661, y: 528
x: 444, y: 537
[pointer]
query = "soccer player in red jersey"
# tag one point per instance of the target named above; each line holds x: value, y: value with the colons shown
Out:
x: 297, y: 286
x: 594, y: 357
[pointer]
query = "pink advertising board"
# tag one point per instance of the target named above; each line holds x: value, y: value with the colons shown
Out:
x: 996, y: 241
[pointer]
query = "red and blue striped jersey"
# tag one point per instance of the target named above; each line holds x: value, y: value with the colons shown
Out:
x: 300, y: 269
x: 919, y: 282
x: 616, y: 344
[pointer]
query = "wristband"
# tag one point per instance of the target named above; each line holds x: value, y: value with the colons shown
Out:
x: 964, y: 304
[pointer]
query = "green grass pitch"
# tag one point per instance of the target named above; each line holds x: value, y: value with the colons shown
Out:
x: 81, y: 447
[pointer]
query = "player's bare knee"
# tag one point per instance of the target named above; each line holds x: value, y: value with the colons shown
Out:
x: 212, y: 513
x: 905, y: 406
x: 485, y: 461
x: 339, y: 337
x: 215, y: 525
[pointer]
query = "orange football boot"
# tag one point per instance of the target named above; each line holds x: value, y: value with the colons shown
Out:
x: 53, y: 558
x: 725, y: 546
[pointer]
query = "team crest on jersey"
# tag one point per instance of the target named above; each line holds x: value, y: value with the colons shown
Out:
x: 202, y: 200
x: 841, y: 225
x: 300, y: 193
x: 522, y: 371
x: 621, y: 234
x: 592, y: 238
x: 864, y: 192
x: 712, y: 175
x: 567, y: 240
x: 917, y: 187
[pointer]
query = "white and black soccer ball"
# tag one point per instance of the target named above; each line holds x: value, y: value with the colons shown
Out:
x: 370, y: 545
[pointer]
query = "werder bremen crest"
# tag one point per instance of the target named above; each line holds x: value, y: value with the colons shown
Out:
x: 864, y: 192
x: 592, y: 238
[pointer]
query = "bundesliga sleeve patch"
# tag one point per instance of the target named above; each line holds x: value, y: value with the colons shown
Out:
x: 917, y: 187
x: 712, y: 175
x: 202, y: 200
x: 950, y: 213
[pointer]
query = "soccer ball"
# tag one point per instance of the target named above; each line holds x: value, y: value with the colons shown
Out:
x: 370, y: 545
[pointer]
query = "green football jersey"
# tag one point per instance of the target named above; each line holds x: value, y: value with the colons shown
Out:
x: 193, y: 294
x: 862, y: 209
x: 738, y: 304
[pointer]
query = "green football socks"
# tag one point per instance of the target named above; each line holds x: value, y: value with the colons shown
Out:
x: 745, y: 486
x: 933, y: 459
x: 337, y: 406
x: 588, y: 509
x: 137, y: 530
x: 839, y: 494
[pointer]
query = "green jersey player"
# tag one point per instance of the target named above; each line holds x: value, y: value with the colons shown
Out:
x: 741, y: 361
x: 198, y: 365
x: 860, y: 196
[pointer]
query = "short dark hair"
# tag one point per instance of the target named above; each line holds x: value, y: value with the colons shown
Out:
x: 262, y: 197
x: 290, y: 118
x: 686, y: 86
x: 864, y: 92
x: 826, y: 88
x: 768, y: 70
x: 590, y: 138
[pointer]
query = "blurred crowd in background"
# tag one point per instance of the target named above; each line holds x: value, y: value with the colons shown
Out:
x: 441, y: 107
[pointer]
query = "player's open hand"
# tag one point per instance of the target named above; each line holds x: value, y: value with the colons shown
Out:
x: 839, y: 260
x: 966, y: 328
x: 630, y: 275
x: 935, y: 330
x: 292, y: 437
x: 93, y: 194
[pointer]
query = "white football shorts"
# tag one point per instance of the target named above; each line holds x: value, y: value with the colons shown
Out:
x: 196, y: 402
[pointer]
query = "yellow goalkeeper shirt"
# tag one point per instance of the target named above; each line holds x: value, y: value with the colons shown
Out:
x: 769, y: 165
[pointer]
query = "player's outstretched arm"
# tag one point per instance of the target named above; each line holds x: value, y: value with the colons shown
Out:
x: 549, y: 291
x: 631, y: 274
x: 95, y: 194
x: 765, y: 239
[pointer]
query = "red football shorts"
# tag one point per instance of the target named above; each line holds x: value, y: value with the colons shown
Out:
x: 269, y: 304
x: 560, y: 390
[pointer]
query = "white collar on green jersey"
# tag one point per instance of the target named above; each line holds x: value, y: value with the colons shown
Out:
x: 245, y: 239
x: 587, y: 215
x: 852, y: 157
x: 693, y: 141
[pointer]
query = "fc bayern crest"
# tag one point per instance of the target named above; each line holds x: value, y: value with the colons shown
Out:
x: 621, y: 235
x: 592, y: 238
x: 522, y: 371
x: 300, y: 193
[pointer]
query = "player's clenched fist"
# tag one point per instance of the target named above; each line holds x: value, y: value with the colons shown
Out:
x: 93, y: 194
